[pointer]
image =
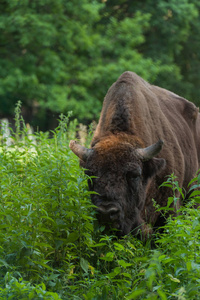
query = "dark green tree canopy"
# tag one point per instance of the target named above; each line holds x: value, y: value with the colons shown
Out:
x: 59, y: 55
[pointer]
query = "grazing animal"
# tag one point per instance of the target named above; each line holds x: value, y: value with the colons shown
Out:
x: 129, y: 158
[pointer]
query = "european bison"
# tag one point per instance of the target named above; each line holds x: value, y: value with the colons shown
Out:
x: 144, y: 133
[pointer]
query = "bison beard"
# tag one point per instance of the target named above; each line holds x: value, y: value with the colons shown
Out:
x: 127, y: 156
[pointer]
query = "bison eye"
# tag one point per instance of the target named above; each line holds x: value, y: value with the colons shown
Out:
x: 132, y: 175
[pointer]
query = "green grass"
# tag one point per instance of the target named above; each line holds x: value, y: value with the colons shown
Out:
x: 52, y: 248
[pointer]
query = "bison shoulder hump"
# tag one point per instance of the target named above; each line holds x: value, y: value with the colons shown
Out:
x: 131, y: 77
x: 190, y: 111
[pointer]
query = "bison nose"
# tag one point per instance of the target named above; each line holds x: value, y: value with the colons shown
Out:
x: 114, y: 214
x: 109, y: 213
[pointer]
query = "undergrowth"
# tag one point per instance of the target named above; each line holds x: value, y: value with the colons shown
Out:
x: 51, y: 248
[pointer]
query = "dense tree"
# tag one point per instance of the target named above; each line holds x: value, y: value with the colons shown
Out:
x: 45, y: 47
x: 59, y: 55
x: 172, y: 38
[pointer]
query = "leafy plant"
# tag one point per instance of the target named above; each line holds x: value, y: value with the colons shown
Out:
x: 22, y: 290
x: 51, y: 248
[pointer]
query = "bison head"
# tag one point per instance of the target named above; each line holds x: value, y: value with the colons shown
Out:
x: 122, y: 173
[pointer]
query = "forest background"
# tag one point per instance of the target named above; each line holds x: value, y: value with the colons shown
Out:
x: 59, y: 56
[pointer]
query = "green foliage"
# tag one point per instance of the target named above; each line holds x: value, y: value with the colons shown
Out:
x: 61, y: 55
x: 45, y: 222
x: 51, y: 247
x: 170, y: 38
x: 44, y: 55
x: 181, y: 245
x: 22, y: 290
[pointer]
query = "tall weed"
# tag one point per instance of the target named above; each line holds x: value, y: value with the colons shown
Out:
x: 51, y: 248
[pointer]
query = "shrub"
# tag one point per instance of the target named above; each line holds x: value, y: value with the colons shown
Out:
x: 22, y: 290
x: 51, y: 247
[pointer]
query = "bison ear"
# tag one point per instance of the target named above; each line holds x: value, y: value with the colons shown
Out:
x: 153, y: 167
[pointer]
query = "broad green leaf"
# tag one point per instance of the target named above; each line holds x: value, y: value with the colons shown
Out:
x: 127, y: 275
x: 84, y: 264
x: 124, y: 264
x: 162, y: 294
x: 194, y: 194
x: 170, y: 201
x: 173, y: 278
x: 44, y: 230
x: 136, y: 294
x: 72, y: 237
x: 119, y: 247
x: 99, y: 245
x: 108, y: 257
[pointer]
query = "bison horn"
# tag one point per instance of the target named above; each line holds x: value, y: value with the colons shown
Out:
x: 79, y: 150
x: 151, y: 151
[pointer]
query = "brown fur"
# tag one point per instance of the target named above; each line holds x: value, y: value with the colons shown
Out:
x: 135, y: 115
